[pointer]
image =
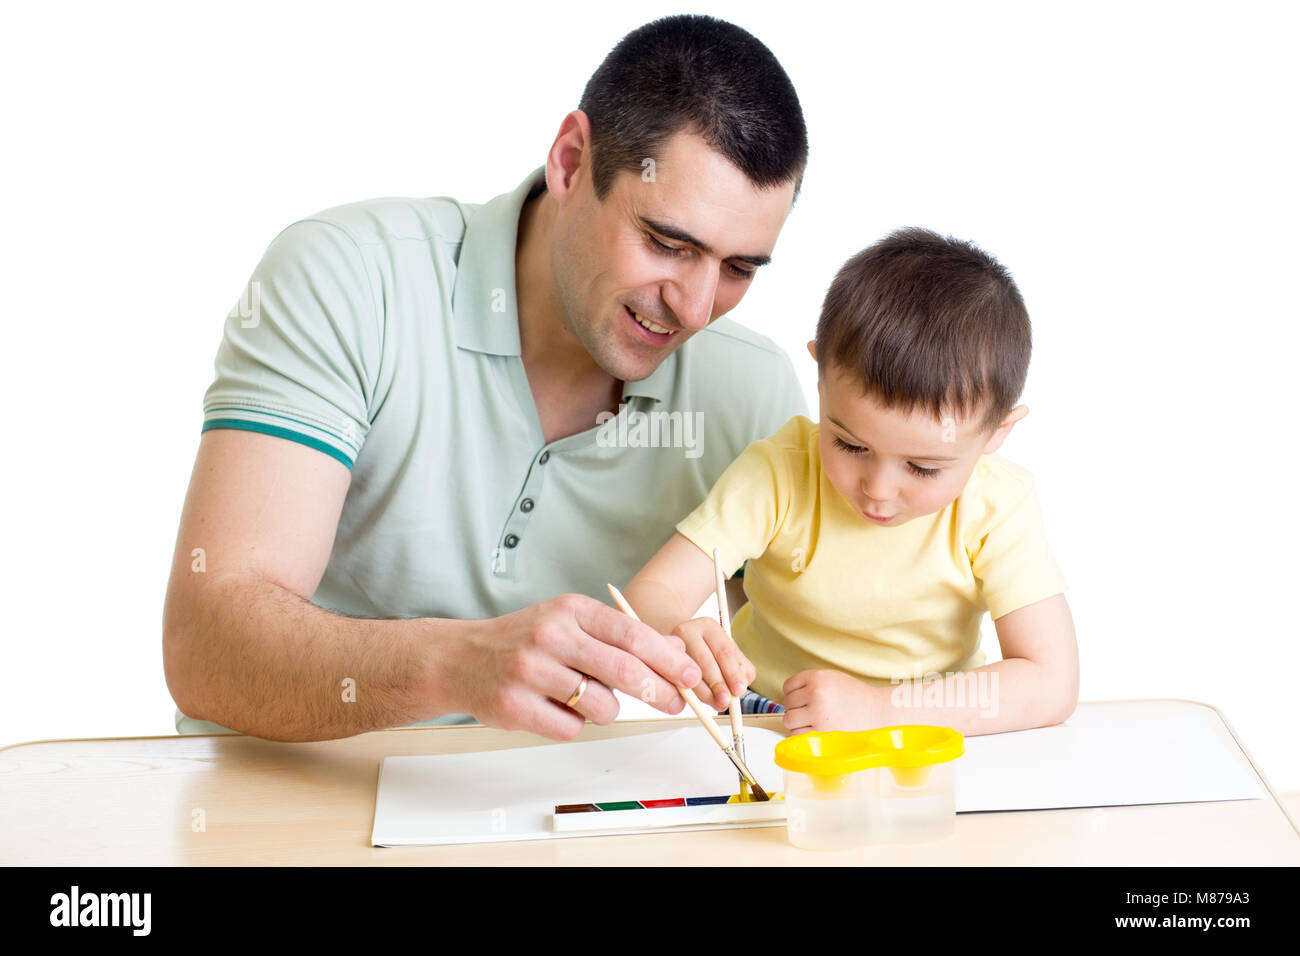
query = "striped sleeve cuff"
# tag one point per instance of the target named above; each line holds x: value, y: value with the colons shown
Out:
x: 755, y: 703
x: 335, y: 443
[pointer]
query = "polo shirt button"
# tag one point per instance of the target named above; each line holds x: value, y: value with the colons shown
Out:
x: 526, y: 505
x: 983, y: 471
x: 512, y: 540
x: 546, y: 456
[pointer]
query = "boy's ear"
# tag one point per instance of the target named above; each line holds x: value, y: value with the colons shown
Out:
x: 1002, y: 431
x: 812, y: 350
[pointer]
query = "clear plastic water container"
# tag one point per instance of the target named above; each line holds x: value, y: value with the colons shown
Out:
x: 830, y: 812
x: 888, y: 785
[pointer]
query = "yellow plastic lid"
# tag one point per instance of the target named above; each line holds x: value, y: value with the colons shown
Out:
x: 825, y: 754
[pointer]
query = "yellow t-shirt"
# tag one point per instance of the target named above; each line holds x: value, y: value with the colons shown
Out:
x: 828, y: 589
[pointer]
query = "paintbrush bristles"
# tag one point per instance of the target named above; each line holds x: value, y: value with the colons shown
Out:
x: 746, y: 775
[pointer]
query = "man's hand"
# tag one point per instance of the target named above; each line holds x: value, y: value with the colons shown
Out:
x: 827, y: 700
x: 517, y: 671
x: 724, y: 670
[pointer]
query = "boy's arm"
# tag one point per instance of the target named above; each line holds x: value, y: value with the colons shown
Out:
x: 1036, y: 684
x: 666, y: 592
x: 1042, y: 635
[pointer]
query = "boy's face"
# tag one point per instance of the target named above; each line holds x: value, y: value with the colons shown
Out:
x: 893, y: 466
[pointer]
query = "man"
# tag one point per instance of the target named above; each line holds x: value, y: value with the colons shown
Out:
x: 430, y: 419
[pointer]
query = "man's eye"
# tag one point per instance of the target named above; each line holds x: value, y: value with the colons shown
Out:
x: 923, y: 472
x: 676, y: 252
x: 851, y: 449
x: 666, y: 250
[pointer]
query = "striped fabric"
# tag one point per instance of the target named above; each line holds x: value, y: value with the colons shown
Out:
x: 752, y: 703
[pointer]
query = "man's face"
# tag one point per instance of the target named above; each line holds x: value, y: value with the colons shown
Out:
x: 608, y: 264
x: 893, y: 466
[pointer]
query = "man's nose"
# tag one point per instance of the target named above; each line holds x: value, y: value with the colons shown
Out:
x: 696, y: 289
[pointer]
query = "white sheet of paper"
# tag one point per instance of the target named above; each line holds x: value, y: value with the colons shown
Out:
x: 498, y: 795
x: 1116, y: 754
x: 1109, y: 755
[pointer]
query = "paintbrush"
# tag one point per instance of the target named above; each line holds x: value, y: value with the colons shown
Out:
x: 705, y: 717
x: 724, y: 618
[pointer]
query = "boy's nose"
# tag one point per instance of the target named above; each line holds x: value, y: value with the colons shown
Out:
x: 877, y: 487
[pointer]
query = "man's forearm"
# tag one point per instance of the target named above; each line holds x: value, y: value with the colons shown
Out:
x: 257, y: 658
x: 1014, y: 694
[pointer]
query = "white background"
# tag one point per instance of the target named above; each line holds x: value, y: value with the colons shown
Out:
x: 1134, y: 165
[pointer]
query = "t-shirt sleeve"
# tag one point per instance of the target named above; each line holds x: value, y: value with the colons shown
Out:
x: 300, y: 347
x: 1010, y: 557
x: 743, y: 511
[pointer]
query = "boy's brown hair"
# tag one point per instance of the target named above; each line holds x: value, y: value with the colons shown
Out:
x: 928, y: 321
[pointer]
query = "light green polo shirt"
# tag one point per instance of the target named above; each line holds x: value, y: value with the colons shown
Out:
x: 385, y: 334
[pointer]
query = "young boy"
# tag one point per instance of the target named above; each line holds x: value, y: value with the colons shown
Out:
x: 877, y: 539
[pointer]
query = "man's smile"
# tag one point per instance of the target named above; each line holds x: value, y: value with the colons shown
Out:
x: 649, y: 330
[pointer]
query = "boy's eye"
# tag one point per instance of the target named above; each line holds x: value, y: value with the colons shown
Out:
x: 859, y: 450
x: 676, y: 252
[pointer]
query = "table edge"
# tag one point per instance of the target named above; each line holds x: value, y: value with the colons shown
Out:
x: 633, y: 720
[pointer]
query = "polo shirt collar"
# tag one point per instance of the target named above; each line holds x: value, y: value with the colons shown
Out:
x: 658, y: 384
x: 487, y: 264
x: 485, y: 273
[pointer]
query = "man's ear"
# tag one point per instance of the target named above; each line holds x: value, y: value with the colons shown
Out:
x: 1002, y: 431
x: 564, y: 162
x: 812, y: 350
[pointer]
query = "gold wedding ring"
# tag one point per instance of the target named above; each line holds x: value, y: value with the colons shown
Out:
x: 577, y: 693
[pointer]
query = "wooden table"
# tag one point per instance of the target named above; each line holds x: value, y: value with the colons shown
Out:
x: 137, y: 801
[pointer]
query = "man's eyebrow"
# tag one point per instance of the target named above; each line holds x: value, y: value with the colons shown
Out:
x: 681, y: 235
x: 841, y: 425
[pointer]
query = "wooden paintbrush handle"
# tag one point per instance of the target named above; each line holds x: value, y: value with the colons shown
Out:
x: 688, y: 695
x: 706, y: 718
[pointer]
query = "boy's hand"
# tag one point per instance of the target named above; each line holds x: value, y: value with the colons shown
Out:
x: 724, y: 670
x: 826, y: 700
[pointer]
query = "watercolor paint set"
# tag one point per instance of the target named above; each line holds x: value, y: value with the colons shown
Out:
x: 712, y: 811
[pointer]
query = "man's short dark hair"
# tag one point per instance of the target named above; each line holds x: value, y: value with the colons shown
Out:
x: 702, y: 75
x: 928, y: 322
